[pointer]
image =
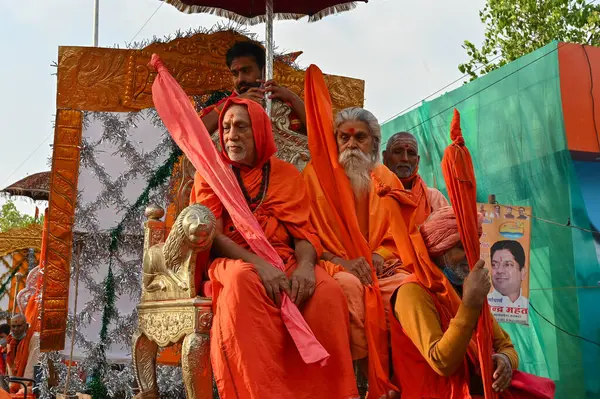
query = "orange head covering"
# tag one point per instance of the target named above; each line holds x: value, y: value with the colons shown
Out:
x: 262, y: 131
x: 440, y: 231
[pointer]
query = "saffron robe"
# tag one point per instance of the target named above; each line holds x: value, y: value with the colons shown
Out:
x: 426, y: 199
x: 379, y: 241
x: 252, y: 354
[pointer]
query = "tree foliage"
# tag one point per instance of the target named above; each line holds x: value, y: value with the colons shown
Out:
x: 11, y: 218
x: 514, y: 28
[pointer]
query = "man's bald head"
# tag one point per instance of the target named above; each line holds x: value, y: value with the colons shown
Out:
x: 401, y: 155
x: 18, y: 326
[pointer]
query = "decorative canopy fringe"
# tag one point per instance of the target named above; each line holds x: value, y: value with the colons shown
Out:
x: 240, y: 19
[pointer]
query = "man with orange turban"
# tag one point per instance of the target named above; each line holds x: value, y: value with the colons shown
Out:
x: 433, y: 345
x: 402, y: 157
x: 253, y: 355
x: 358, y: 135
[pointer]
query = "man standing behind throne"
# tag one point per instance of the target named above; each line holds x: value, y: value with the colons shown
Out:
x: 246, y: 61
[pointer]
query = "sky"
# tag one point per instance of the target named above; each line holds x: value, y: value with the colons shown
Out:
x: 404, y: 50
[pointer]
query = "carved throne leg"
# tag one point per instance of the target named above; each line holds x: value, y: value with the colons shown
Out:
x: 144, y: 361
x: 196, y: 367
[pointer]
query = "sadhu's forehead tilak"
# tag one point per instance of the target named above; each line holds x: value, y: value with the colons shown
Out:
x: 406, y: 141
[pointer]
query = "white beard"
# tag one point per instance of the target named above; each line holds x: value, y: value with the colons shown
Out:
x: 236, y: 156
x: 358, y: 167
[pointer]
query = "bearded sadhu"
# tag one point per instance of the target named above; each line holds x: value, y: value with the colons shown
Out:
x: 433, y: 345
x: 357, y: 134
x: 402, y: 157
x: 252, y: 353
x: 23, y: 350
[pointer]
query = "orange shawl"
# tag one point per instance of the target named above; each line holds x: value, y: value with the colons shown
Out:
x: 324, y: 218
x: 282, y: 214
x: 459, y: 175
x: 418, y: 193
x: 33, y: 305
x: 340, y: 199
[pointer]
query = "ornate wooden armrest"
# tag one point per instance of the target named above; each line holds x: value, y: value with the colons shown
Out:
x: 169, y: 311
x: 170, y: 264
x: 154, y: 228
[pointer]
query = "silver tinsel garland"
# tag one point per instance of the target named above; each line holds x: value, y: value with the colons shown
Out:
x: 127, y: 260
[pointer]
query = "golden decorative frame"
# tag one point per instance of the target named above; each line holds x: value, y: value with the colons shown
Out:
x: 22, y: 238
x: 119, y: 80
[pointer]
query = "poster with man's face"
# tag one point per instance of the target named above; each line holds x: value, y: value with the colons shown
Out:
x: 505, y: 245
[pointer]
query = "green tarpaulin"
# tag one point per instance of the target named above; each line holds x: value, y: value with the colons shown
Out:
x: 512, y: 121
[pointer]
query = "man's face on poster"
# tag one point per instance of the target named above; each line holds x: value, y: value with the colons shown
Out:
x: 507, y: 274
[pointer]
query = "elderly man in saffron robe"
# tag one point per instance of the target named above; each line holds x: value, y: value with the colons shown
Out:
x: 252, y: 353
x: 358, y: 136
x: 23, y: 350
x: 402, y: 157
x: 433, y: 346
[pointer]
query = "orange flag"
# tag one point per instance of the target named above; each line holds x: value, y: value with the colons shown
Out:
x: 459, y: 175
x: 324, y: 156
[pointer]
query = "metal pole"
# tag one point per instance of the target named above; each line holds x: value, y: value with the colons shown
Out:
x: 96, y: 12
x: 19, y: 277
x: 269, y: 38
x: 31, y: 263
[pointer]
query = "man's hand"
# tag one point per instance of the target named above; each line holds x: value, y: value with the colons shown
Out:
x: 274, y: 280
x: 359, y: 267
x: 303, y: 283
x: 255, y: 94
x: 378, y: 263
x: 477, y: 286
x: 502, y: 372
x: 279, y: 92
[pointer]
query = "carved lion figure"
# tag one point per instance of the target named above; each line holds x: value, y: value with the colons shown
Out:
x: 193, y: 232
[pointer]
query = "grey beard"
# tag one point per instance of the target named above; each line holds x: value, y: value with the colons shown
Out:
x: 20, y: 337
x: 358, y: 168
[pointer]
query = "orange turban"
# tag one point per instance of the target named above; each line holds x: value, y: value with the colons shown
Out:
x: 261, y: 130
x: 440, y: 231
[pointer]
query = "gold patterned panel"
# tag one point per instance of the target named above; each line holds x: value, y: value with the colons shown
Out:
x: 63, y: 194
x: 114, y: 80
x: 22, y: 238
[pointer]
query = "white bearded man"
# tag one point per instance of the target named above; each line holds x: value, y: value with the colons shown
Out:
x: 358, y: 136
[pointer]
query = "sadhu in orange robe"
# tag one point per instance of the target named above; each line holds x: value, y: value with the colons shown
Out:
x: 253, y: 355
x: 334, y: 214
x: 378, y: 239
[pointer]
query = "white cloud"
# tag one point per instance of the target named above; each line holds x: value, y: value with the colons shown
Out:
x: 404, y: 50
